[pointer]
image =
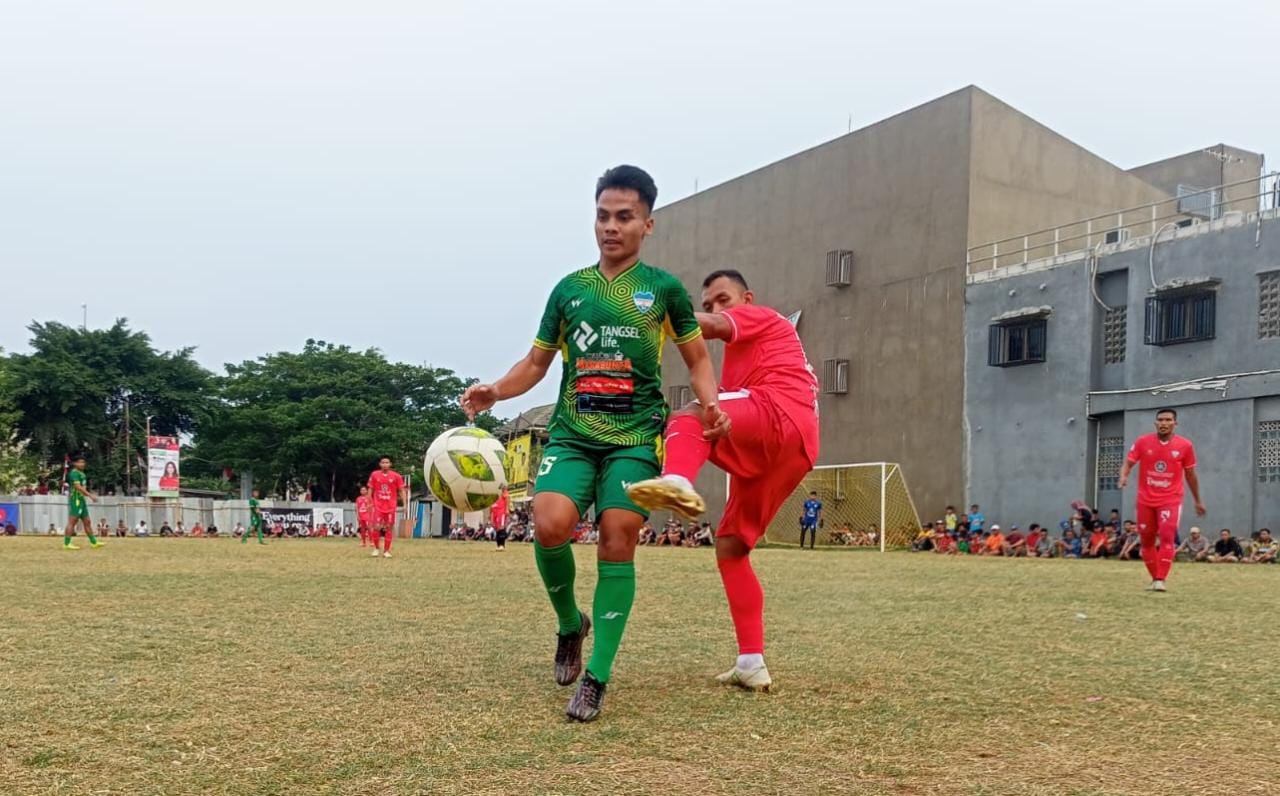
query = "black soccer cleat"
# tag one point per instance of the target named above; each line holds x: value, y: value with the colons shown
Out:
x: 587, y: 701
x: 569, y: 653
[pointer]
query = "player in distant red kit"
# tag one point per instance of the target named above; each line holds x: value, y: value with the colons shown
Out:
x: 387, y: 487
x: 1164, y: 459
x: 771, y: 396
x: 364, y: 514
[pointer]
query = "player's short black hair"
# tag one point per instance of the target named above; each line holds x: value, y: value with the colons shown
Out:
x: 384, y: 456
x: 629, y: 178
x: 726, y: 273
x: 77, y: 457
x: 1173, y: 412
x: 813, y: 492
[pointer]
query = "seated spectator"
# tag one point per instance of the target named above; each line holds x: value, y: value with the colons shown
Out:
x: 924, y: 541
x: 10, y: 529
x: 166, y: 529
x: 238, y: 531
x: 1131, y: 543
x: 180, y: 530
x: 121, y: 528
x: 1070, y: 545
x: 1015, y: 543
x: 53, y: 530
x: 103, y: 529
x: 842, y: 535
x: 993, y: 544
x: 705, y: 535
x: 963, y: 545
x: 1039, y: 545
x: 212, y: 530
x: 1097, y: 547
x: 1226, y: 550
x: 946, y: 544
x: 1264, y: 549
x: 141, y: 530
x: 197, y: 530
x: 1196, y: 546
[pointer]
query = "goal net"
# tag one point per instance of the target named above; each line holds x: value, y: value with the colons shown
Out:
x: 862, y: 504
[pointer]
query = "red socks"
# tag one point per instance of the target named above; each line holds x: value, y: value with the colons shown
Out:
x: 1147, y: 539
x: 746, y: 600
x: 386, y: 540
x: 686, y: 450
x: 1159, y: 560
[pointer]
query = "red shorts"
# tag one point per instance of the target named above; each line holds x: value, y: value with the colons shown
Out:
x: 765, y: 458
x: 384, y: 519
x: 1160, y: 521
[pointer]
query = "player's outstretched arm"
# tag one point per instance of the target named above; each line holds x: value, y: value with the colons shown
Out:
x: 714, y: 326
x: 702, y: 379
x: 1193, y: 481
x: 522, y: 377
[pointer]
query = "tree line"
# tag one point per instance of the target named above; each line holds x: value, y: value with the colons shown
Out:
x: 316, y: 420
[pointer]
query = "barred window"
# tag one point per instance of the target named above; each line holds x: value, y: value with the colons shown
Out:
x: 835, y: 376
x: 1181, y: 317
x: 1110, y: 459
x: 1268, y: 453
x: 1115, y: 329
x: 839, y: 268
x: 1022, y: 343
x: 1269, y: 304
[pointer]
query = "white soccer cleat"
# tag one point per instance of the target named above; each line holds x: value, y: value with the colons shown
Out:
x: 668, y: 493
x: 376, y: 553
x: 387, y: 554
x: 1157, y: 585
x: 754, y: 679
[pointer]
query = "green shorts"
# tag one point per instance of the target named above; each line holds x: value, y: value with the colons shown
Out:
x: 78, y: 510
x: 589, y: 472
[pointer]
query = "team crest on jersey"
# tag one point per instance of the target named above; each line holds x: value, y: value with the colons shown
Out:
x: 643, y: 300
x: 1161, y: 467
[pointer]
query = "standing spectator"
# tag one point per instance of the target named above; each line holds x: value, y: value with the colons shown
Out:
x: 1264, y: 548
x: 1196, y: 546
x: 950, y: 519
x: 977, y: 520
x: 1226, y: 550
x: 810, y: 520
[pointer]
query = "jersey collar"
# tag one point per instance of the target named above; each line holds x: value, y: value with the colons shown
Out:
x: 620, y: 275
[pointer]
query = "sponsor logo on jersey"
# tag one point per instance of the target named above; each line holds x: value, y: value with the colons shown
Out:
x: 585, y: 336
x: 1161, y: 466
x: 575, y: 303
x: 643, y: 300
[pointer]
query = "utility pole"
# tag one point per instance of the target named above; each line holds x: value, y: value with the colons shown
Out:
x: 84, y: 317
x: 128, y: 452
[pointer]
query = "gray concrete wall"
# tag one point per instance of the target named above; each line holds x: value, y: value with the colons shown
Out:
x: 896, y: 194
x: 1206, y: 168
x: 1028, y: 460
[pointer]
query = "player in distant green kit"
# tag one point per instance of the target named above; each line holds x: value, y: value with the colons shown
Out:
x: 255, y: 520
x: 77, y: 508
x: 608, y: 322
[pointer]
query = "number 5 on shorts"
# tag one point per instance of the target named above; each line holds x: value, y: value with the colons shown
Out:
x: 547, y: 463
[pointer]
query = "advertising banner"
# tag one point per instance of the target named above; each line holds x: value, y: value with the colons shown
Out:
x: 300, y: 518
x: 9, y: 515
x: 162, y: 467
x: 518, y: 451
x: 330, y: 517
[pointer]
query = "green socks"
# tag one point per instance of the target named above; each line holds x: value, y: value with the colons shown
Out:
x: 557, y: 568
x: 615, y: 592
x: 66, y: 539
x: 92, y: 539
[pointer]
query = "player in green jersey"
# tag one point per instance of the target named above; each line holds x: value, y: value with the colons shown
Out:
x: 77, y: 507
x: 608, y: 322
x: 255, y: 520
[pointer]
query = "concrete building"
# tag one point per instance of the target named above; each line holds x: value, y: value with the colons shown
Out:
x: 867, y: 236
x: 1068, y: 357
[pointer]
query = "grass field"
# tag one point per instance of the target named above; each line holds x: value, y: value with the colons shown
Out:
x: 191, y: 666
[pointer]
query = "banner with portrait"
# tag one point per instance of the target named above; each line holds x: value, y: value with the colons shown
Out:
x: 518, y: 453
x: 9, y: 516
x: 162, y: 467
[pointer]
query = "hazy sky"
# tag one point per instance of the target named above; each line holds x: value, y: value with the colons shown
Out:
x: 415, y: 176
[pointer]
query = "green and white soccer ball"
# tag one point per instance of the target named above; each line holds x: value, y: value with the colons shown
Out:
x: 466, y: 468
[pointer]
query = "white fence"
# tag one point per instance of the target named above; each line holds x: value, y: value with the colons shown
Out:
x: 37, y: 512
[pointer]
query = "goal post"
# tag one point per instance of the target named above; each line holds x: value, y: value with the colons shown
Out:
x: 857, y: 500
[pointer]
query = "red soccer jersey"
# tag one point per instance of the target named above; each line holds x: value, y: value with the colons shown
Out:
x: 764, y: 356
x: 364, y: 507
x: 385, y: 488
x: 1161, y: 466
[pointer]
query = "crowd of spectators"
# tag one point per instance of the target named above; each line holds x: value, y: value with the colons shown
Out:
x: 672, y: 534
x: 1082, y: 535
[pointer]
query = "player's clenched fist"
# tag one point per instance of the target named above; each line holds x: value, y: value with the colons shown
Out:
x: 478, y: 398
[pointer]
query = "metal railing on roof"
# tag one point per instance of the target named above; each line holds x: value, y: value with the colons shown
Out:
x: 1188, y: 207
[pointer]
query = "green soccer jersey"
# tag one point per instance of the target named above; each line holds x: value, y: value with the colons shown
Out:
x: 255, y: 514
x: 75, y: 499
x: 610, y: 336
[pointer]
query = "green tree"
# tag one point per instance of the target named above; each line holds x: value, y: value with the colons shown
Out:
x: 321, y: 418
x: 72, y: 391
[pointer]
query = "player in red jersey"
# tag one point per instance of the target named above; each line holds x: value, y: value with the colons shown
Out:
x: 364, y: 514
x: 1165, y: 460
x: 769, y: 391
x: 387, y: 487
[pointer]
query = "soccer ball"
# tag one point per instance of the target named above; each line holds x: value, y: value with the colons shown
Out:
x: 466, y: 468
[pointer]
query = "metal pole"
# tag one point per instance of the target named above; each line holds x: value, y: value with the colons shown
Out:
x: 128, y: 452
x: 883, y: 530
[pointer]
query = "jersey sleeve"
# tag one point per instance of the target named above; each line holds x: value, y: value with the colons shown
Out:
x: 1189, y: 457
x: 550, y: 335
x: 682, y: 324
x: 747, y: 321
x: 1134, y: 453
